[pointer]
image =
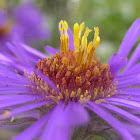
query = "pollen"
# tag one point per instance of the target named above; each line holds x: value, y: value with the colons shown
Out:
x: 77, y: 74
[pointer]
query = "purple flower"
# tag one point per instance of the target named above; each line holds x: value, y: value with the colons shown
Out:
x: 62, y: 89
x: 29, y: 21
x: 26, y: 24
x: 5, y: 29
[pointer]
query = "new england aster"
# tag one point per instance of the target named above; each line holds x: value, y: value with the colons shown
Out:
x: 26, y: 23
x: 71, y: 84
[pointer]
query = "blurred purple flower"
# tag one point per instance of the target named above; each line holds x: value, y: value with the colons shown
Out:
x: 30, y: 23
x: 5, y: 29
x: 63, y: 86
x: 27, y: 25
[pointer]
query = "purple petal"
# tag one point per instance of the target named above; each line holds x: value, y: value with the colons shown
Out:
x: 134, y: 58
x: 10, y: 102
x: 5, y: 59
x: 133, y: 129
x: 124, y: 101
x: 131, y: 91
x: 24, y: 108
x: 5, y: 97
x: 122, y: 113
x: 51, y: 50
x: 33, y: 51
x: 18, y: 51
x: 124, y: 77
x: 116, y: 63
x: 128, y: 82
x: 58, y: 125
x: 35, y: 128
x: 122, y: 105
x: 134, y: 69
x: 64, y: 119
x: 130, y: 39
x: 76, y: 114
x: 111, y: 120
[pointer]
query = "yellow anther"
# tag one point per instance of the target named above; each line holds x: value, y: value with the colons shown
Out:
x: 60, y: 95
x: 81, y: 97
x: 101, y: 89
x: 53, y: 92
x: 100, y: 100
x: 88, y: 97
x: 87, y: 32
x: 66, y: 93
x: 84, y: 39
x: 96, y: 39
x: 96, y: 34
x: 58, y: 99
x: 64, y: 38
x: 78, y: 92
x: 76, y: 35
x: 86, y: 93
x: 90, y: 46
x: 82, y: 26
x: 38, y: 88
x: 65, y: 26
x: 61, y: 26
x: 57, y: 86
x: 84, y: 42
x: 72, y: 94
x: 97, y: 42
x: 95, y: 93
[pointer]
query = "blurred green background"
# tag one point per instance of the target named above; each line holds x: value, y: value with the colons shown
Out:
x: 113, y: 17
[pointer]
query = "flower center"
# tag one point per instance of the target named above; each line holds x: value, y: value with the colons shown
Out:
x: 77, y: 74
x: 5, y: 30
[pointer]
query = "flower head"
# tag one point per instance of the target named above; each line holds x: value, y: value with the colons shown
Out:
x: 29, y: 21
x: 63, y: 88
x: 5, y: 29
x: 26, y: 23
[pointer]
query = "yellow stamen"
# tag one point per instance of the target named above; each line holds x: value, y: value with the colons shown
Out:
x: 76, y: 35
x: 72, y: 94
x: 64, y: 38
x: 96, y: 39
x: 78, y: 92
x: 86, y: 93
x: 82, y: 26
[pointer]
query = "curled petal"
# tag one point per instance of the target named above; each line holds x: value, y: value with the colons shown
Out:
x: 116, y: 62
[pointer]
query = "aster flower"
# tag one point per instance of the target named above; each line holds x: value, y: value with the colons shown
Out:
x: 71, y: 83
x: 5, y: 29
x: 30, y: 22
x: 26, y: 24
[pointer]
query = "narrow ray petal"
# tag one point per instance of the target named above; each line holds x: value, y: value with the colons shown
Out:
x: 130, y: 39
x: 111, y: 120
